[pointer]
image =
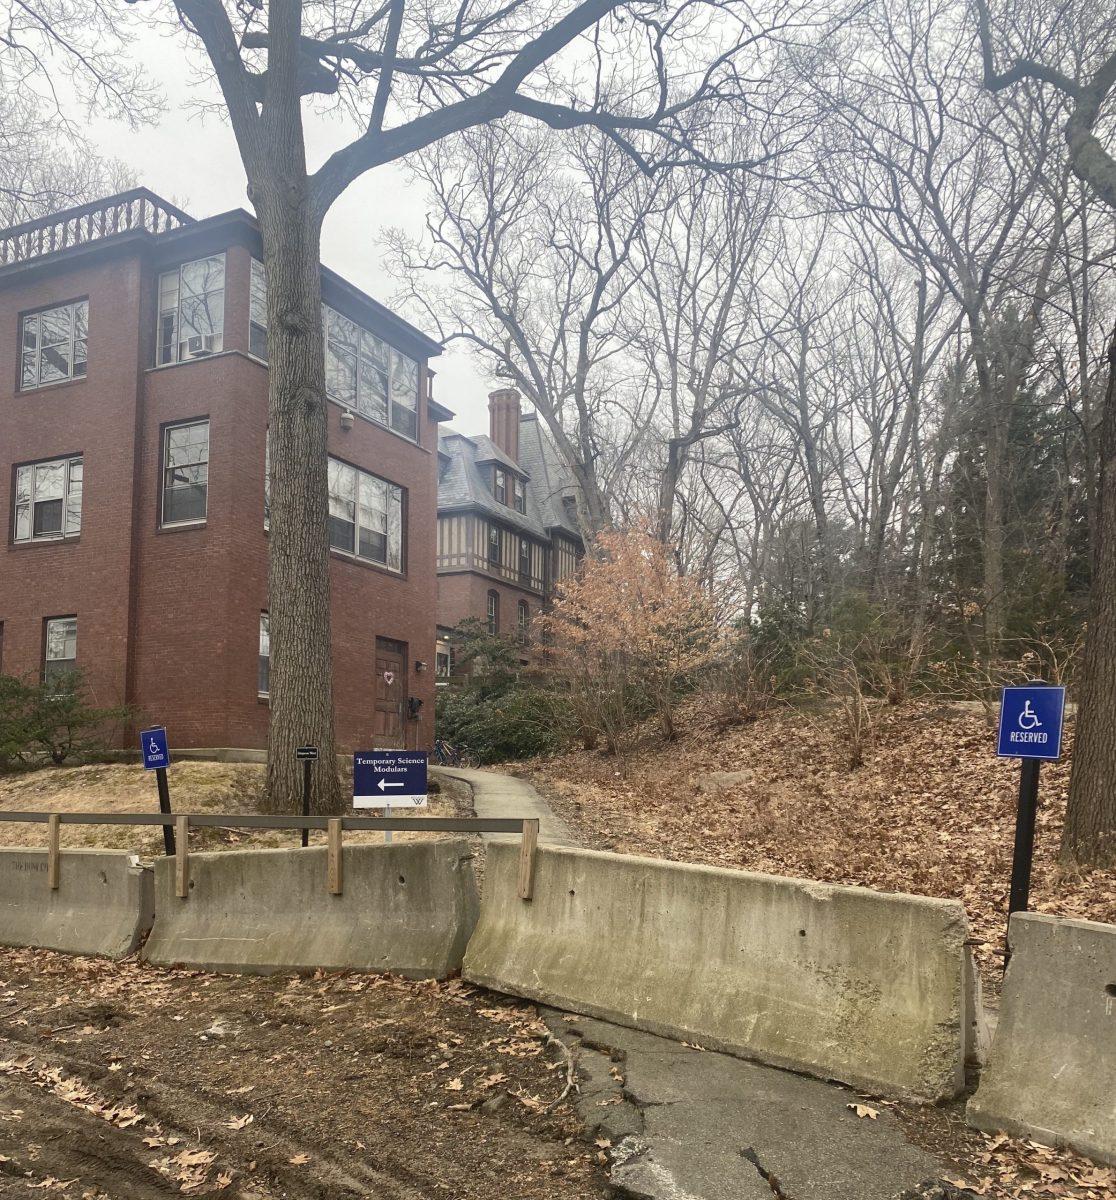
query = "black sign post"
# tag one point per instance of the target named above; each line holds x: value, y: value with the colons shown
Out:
x: 164, y: 807
x: 306, y: 755
x: 1024, y: 836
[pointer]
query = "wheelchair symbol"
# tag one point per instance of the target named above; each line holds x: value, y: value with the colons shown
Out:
x: 154, y: 748
x: 1028, y: 718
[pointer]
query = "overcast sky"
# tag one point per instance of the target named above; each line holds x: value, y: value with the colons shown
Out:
x: 191, y: 159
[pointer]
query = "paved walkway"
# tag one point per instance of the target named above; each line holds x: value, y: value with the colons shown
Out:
x: 681, y: 1123
x: 506, y: 796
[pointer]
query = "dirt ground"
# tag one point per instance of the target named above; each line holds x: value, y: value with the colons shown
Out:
x: 196, y: 787
x: 931, y: 811
x: 123, y: 1082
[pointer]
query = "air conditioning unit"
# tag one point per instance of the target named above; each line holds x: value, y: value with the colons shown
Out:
x: 197, y: 346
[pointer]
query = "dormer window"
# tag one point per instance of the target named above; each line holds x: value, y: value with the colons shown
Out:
x: 500, y: 487
x: 519, y: 491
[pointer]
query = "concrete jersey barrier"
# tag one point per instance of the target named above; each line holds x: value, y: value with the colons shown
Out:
x: 103, y: 903
x: 408, y: 908
x: 1051, y: 1075
x: 839, y: 982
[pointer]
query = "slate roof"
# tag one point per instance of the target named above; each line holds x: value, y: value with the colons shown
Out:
x: 462, y: 485
x: 550, y: 478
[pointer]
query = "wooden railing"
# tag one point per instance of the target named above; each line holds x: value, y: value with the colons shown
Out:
x: 181, y: 823
x: 127, y: 212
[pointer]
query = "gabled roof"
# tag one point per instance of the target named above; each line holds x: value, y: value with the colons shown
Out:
x: 463, y: 485
x: 487, y: 451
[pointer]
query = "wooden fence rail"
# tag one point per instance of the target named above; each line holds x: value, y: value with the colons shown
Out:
x: 526, y: 827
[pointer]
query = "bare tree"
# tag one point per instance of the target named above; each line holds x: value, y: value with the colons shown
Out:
x: 1083, y: 41
x: 410, y: 75
x: 530, y: 257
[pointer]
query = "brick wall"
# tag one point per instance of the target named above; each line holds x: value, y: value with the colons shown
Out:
x: 169, y: 619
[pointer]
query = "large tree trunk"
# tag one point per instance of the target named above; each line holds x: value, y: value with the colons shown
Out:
x: 1089, y: 838
x: 298, y: 558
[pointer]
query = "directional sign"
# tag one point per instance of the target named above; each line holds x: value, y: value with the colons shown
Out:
x: 1031, y: 722
x: 389, y: 779
x: 153, y: 746
x: 306, y: 753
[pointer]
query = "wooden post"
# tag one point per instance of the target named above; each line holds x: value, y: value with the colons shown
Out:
x: 54, y: 827
x: 335, y: 877
x: 527, y: 850
x: 182, y: 857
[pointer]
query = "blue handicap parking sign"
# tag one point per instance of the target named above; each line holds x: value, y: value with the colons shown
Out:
x: 389, y: 779
x: 153, y: 746
x: 1031, y: 721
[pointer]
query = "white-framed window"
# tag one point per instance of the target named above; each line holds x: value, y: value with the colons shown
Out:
x: 367, y: 375
x: 48, y: 500
x: 363, y: 372
x: 501, y: 488
x: 520, y: 493
x: 493, y: 613
x: 523, y: 620
x: 54, y: 345
x: 185, y: 491
x: 365, y: 515
x: 257, y: 312
x: 495, y: 557
x: 59, y: 647
x: 192, y: 310
x: 443, y: 662
x: 263, y: 674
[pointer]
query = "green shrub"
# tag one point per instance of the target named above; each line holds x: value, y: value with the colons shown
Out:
x: 52, y: 719
x: 519, y: 723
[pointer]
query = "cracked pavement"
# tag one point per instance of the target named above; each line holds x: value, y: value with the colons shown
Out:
x: 689, y: 1124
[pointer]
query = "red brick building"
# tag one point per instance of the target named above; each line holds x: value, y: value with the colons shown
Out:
x: 133, y: 434
x: 507, y: 525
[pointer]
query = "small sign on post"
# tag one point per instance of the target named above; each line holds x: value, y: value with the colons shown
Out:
x: 389, y: 779
x: 156, y: 757
x: 1030, y: 729
x: 306, y: 755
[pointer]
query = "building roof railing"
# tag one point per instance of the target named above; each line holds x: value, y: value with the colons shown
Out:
x: 138, y: 210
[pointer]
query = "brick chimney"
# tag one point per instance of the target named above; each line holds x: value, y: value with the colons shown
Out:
x: 503, y: 421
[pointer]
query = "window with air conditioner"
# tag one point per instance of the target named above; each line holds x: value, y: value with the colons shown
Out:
x: 192, y: 310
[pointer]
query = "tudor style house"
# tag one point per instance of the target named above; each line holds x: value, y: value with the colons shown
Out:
x: 507, y: 526
x: 133, y: 434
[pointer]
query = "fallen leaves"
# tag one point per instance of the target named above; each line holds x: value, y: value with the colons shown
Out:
x: 864, y: 1110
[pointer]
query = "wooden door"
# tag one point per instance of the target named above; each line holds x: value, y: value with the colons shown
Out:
x: 391, y: 694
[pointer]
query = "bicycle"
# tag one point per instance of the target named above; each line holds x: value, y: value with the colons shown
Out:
x: 447, y: 755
